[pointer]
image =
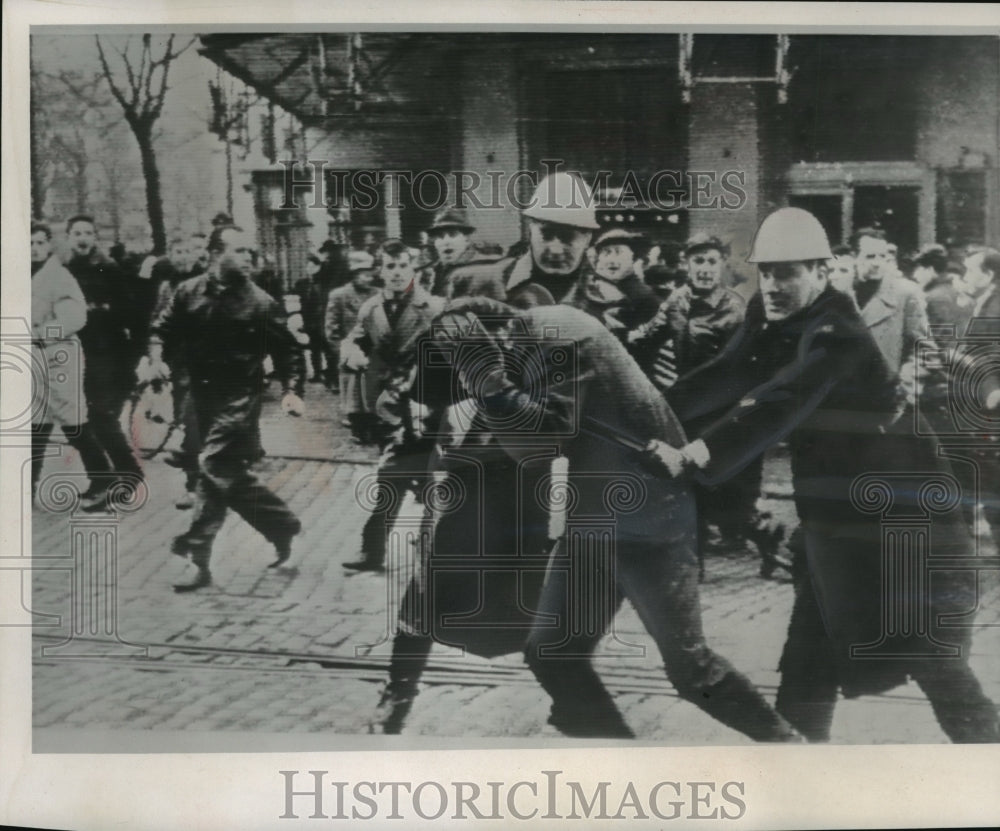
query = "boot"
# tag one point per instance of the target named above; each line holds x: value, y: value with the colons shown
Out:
x: 738, y: 704
x: 182, y: 547
x: 393, y: 707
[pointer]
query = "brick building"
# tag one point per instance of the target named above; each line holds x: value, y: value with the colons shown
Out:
x: 896, y: 130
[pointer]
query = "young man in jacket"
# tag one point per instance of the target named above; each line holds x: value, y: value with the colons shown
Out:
x: 220, y: 327
x: 109, y: 342
x: 58, y: 312
x: 384, y: 345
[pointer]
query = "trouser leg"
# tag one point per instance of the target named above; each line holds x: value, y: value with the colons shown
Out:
x: 396, y: 469
x: 81, y: 438
x: 242, y: 491
x: 105, y: 414
x: 662, y: 585
x: 807, y: 694
x: 40, y: 434
x: 963, y: 710
x: 560, y: 659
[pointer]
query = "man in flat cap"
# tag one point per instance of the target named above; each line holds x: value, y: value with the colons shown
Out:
x: 615, y: 294
x: 450, y: 234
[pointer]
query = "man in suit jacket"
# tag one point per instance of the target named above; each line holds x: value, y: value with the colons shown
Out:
x: 384, y: 344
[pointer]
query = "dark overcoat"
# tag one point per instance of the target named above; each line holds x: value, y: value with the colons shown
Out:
x: 819, y: 380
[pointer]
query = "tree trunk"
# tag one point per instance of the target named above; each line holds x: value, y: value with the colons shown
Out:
x: 35, y: 163
x: 229, y: 176
x: 154, y: 200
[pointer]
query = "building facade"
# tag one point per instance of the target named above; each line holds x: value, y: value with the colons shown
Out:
x: 679, y: 132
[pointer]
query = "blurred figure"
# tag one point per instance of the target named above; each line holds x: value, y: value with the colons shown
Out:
x: 312, y: 304
x: 842, y: 270
x: 929, y: 272
x: 342, y: 308
x: 108, y: 342
x: 198, y: 255
x: 58, y: 312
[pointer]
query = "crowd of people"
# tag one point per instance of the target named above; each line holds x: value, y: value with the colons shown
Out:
x: 441, y: 353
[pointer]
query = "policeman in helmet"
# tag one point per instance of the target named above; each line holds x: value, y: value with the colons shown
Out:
x: 804, y: 368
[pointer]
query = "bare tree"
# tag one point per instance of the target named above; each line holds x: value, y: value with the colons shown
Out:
x: 141, y: 95
x: 67, y: 111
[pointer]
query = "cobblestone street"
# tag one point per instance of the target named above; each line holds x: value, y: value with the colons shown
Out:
x: 294, y: 658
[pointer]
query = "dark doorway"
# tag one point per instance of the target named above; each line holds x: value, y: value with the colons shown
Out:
x: 895, y: 210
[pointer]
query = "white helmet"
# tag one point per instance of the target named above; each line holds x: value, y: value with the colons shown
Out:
x: 564, y: 199
x: 789, y: 235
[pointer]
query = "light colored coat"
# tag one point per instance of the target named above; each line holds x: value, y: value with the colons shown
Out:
x: 58, y: 312
x: 391, y: 351
x: 897, y: 319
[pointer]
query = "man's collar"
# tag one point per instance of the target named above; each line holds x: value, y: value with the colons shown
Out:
x: 713, y: 298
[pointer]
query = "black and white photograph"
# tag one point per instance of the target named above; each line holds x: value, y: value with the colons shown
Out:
x: 603, y: 385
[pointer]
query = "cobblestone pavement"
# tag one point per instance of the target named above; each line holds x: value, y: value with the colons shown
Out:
x: 302, y: 650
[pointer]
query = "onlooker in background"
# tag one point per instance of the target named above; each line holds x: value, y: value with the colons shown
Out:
x: 842, y: 273
x: 312, y: 304
x: 198, y: 255
x: 892, y: 308
x: 108, y: 342
x: 695, y: 322
x: 450, y: 234
x: 384, y: 344
x: 929, y: 272
x: 58, y: 312
x: 690, y: 329
x: 342, y: 308
x: 615, y: 294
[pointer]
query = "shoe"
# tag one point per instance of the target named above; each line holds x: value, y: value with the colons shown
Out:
x: 770, y: 564
x: 392, y: 709
x: 185, y: 502
x: 572, y: 721
x: 202, y: 579
x: 182, y: 546
x: 94, y: 500
x: 316, y: 379
x: 365, y: 565
x: 283, y: 548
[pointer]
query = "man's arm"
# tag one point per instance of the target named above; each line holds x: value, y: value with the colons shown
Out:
x: 69, y: 311
x: 284, y: 349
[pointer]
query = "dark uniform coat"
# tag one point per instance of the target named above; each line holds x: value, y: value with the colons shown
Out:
x: 819, y: 380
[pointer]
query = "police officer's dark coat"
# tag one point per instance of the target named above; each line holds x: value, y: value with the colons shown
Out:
x: 819, y: 380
